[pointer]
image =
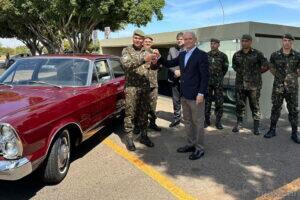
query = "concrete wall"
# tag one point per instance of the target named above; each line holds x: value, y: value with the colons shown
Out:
x: 268, y: 46
x: 224, y: 32
x: 117, y: 51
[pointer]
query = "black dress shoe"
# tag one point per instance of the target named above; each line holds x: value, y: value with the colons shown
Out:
x: 186, y: 149
x: 129, y: 144
x: 145, y: 140
x: 198, y: 153
x: 174, y: 123
x: 295, y: 137
x: 154, y: 127
x: 271, y: 133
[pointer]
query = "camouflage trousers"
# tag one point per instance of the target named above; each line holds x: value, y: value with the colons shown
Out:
x: 136, y: 109
x: 253, y: 97
x: 215, y: 93
x: 291, y: 99
x: 153, y: 104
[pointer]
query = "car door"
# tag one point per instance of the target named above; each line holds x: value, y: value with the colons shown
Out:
x: 106, y: 89
x: 119, y: 81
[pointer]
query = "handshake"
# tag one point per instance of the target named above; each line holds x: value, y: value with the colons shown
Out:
x: 152, y: 57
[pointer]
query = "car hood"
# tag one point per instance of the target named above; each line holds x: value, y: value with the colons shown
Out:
x: 17, y: 99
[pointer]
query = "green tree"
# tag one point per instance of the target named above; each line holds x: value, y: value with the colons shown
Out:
x: 10, y: 28
x: 21, y: 50
x: 53, y: 21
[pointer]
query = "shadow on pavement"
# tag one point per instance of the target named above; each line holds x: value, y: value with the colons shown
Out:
x: 245, y: 165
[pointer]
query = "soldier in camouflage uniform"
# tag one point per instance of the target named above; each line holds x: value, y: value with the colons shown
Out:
x: 285, y: 66
x: 135, y: 61
x: 218, y: 66
x: 148, y: 42
x: 248, y: 63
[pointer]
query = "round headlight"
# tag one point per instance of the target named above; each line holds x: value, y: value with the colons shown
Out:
x: 10, y: 144
x: 10, y: 150
x: 7, y: 133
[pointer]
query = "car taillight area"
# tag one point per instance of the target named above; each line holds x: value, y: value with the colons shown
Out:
x: 10, y: 143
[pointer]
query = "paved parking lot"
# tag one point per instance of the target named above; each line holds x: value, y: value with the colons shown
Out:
x: 236, y: 166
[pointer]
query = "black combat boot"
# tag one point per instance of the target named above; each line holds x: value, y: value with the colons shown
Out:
x: 153, y: 126
x: 207, y: 122
x: 219, y: 123
x: 145, y: 139
x: 272, y: 132
x: 295, y: 135
x: 238, y: 125
x: 129, y: 143
x: 256, y: 130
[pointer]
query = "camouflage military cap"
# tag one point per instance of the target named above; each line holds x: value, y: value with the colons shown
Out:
x: 214, y: 40
x: 139, y: 32
x: 288, y: 36
x: 149, y: 37
x: 247, y: 37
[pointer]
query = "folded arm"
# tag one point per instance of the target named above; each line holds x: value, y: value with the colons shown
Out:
x: 130, y: 60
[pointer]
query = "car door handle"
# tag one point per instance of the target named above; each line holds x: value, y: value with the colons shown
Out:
x: 116, y: 83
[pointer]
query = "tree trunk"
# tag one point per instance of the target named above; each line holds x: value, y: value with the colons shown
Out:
x: 31, y: 46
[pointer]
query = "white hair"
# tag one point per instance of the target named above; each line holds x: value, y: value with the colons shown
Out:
x: 191, y: 33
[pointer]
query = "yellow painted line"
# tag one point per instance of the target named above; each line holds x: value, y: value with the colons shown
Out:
x: 150, y: 171
x: 283, y: 191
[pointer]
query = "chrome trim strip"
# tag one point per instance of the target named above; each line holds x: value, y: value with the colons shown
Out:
x: 90, y: 73
x: 55, y: 57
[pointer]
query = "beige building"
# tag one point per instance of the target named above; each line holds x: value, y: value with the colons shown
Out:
x: 266, y: 38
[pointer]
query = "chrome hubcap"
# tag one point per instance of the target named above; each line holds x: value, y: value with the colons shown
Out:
x: 63, y: 154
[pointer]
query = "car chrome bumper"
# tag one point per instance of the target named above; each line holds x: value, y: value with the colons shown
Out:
x: 14, y: 169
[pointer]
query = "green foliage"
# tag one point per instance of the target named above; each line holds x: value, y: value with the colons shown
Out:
x: 21, y: 49
x: 94, y: 47
x: 13, y: 51
x: 51, y: 22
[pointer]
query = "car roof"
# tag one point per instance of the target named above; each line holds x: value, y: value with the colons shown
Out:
x: 85, y: 56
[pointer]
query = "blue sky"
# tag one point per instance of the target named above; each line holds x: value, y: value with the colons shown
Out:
x: 188, y: 14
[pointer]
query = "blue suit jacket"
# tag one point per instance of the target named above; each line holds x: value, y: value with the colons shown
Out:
x: 194, y: 76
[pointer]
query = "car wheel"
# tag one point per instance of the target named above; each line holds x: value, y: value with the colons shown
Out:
x: 58, y: 162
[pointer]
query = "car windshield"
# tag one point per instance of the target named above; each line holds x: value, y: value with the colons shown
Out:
x: 54, y: 72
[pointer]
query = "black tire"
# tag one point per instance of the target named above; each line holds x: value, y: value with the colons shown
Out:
x: 58, y: 161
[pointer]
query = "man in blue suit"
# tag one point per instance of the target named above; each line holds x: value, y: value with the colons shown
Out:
x: 194, y: 78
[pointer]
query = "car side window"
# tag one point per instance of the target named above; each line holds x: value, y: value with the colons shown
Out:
x: 102, y: 70
x: 95, y: 76
x: 117, y: 68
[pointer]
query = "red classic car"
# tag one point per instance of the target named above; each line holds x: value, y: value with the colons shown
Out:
x: 49, y: 105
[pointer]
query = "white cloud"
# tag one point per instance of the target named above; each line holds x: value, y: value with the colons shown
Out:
x: 203, y: 17
x: 290, y: 4
x: 187, y: 4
